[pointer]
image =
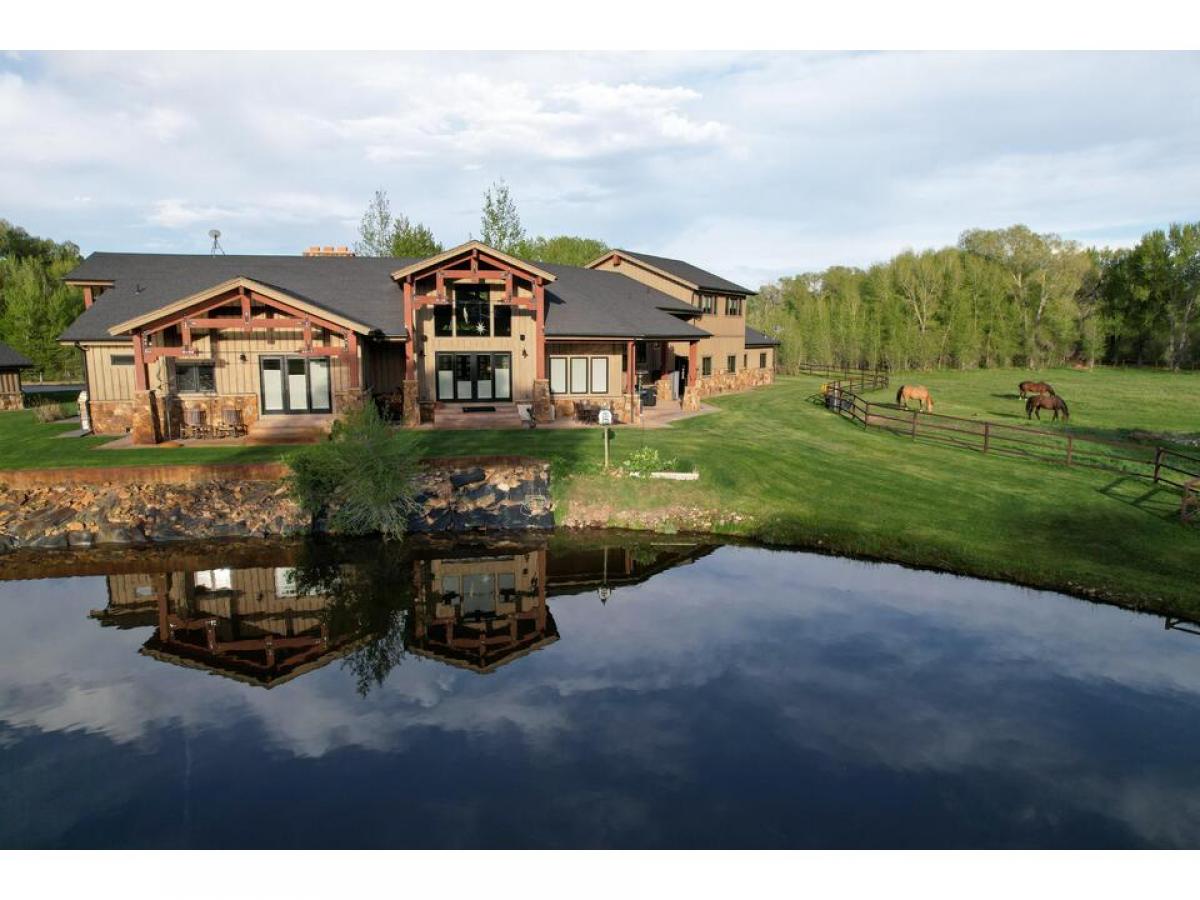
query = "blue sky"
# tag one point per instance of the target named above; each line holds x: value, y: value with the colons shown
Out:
x: 753, y: 165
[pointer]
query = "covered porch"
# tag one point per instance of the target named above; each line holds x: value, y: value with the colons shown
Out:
x: 239, y: 359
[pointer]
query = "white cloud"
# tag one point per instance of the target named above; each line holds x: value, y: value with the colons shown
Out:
x: 751, y: 165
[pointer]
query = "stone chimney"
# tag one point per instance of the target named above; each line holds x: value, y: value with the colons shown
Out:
x: 328, y: 251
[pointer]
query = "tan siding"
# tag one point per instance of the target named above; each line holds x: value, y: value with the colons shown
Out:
x: 10, y: 381
x: 613, y: 352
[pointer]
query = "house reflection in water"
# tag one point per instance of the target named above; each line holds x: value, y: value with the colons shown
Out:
x: 248, y: 624
x: 482, y: 612
x: 476, y: 607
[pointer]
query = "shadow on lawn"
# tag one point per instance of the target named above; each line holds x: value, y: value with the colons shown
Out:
x: 1156, y: 500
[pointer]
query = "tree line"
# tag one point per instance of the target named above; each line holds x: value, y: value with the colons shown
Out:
x: 35, y: 305
x: 1003, y: 297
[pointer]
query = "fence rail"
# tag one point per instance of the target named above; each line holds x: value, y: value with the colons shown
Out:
x: 1157, y: 464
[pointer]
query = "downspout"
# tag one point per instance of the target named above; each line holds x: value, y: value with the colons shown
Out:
x: 87, y: 387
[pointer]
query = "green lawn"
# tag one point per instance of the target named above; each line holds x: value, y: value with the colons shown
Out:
x: 796, y: 474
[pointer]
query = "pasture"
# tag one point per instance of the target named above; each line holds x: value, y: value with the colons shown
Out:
x: 1114, y: 404
x: 779, y: 468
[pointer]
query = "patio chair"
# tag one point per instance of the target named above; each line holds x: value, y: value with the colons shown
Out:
x: 231, y: 423
x: 194, y: 425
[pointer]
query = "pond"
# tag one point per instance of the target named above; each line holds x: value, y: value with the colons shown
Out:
x: 604, y: 690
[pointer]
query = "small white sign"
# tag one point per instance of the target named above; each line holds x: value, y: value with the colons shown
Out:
x: 606, y: 417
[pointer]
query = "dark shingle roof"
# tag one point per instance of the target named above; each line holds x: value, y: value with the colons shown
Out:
x: 755, y: 338
x: 692, y: 274
x: 592, y: 303
x: 11, y: 359
x: 358, y: 288
x: 581, y: 302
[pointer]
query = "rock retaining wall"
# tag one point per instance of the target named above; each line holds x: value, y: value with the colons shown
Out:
x: 454, y: 495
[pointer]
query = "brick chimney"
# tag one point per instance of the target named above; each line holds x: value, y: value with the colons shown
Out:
x: 328, y: 251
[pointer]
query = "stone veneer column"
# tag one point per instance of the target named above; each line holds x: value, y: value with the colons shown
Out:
x: 691, y: 397
x: 543, y: 408
x: 411, y: 399
x: 144, y: 429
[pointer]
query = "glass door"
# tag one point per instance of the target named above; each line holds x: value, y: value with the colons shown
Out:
x: 464, y: 376
x: 319, y: 399
x: 502, y: 363
x: 271, y: 376
x: 483, y: 376
x: 445, y: 376
x: 297, y: 384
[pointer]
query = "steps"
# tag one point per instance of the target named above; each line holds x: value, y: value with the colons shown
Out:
x: 303, y: 429
x: 451, y: 415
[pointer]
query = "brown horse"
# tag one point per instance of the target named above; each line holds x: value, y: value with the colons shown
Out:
x: 1034, y: 387
x: 1038, y: 402
x: 917, y: 392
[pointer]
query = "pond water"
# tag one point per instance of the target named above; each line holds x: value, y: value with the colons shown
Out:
x: 599, y: 691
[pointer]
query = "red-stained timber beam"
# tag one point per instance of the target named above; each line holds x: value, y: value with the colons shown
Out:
x: 139, y: 362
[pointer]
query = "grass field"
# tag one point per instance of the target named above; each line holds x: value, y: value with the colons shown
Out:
x: 796, y: 474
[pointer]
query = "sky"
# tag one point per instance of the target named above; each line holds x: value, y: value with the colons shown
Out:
x: 751, y: 165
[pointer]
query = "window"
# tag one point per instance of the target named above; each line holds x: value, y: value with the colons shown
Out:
x: 473, y: 315
x: 731, y: 363
x: 733, y: 306
x: 745, y: 360
x: 599, y: 374
x: 195, y: 377
x: 121, y: 359
x: 213, y: 579
x: 502, y: 320
x: 706, y: 366
x: 443, y: 320
x: 762, y: 360
x: 558, y: 374
x: 708, y: 303
x: 579, y: 374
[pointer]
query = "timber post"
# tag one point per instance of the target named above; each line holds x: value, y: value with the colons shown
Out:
x: 1070, y: 448
x: 987, y: 436
x: 916, y: 412
x: 1158, y: 458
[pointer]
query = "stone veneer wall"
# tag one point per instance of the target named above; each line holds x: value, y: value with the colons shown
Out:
x: 564, y: 407
x: 111, y: 416
x: 730, y: 382
x: 10, y: 402
x: 117, y: 416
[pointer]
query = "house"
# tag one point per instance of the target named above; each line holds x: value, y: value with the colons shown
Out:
x: 11, y: 364
x: 272, y: 336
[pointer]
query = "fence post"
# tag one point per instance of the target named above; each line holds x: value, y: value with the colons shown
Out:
x: 916, y: 412
x: 1070, y: 448
x: 1158, y: 456
x: 866, y: 413
x: 987, y: 435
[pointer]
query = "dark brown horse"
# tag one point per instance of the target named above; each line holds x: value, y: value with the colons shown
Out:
x: 1034, y: 387
x: 1038, y: 402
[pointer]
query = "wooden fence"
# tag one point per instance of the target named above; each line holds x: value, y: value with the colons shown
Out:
x: 1161, y: 465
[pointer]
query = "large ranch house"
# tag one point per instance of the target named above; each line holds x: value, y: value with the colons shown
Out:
x: 246, y: 341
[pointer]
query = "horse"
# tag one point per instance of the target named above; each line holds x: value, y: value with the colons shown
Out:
x: 917, y: 392
x: 1034, y: 387
x: 1038, y: 402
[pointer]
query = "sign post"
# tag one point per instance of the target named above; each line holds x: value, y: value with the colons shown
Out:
x: 605, y: 420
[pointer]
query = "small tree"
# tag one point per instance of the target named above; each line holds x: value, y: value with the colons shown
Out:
x: 563, y: 249
x: 500, y: 223
x: 381, y: 234
x: 360, y: 481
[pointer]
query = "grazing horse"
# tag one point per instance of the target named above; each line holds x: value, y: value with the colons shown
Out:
x: 917, y: 392
x: 1034, y: 387
x: 1038, y: 402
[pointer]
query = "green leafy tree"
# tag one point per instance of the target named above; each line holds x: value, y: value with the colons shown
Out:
x: 35, y: 305
x: 500, y: 223
x: 563, y: 250
x: 382, y: 234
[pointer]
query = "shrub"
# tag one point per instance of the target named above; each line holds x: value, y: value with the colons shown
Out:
x: 646, y: 460
x: 360, y: 481
x: 51, y: 412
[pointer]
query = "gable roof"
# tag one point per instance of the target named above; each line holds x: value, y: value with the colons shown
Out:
x: 692, y: 276
x: 430, y: 262
x: 284, y: 296
x: 11, y: 359
x: 357, y: 288
x: 755, y: 338
x: 579, y: 302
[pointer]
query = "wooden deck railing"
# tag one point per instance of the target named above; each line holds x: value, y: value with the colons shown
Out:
x: 1160, y: 465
